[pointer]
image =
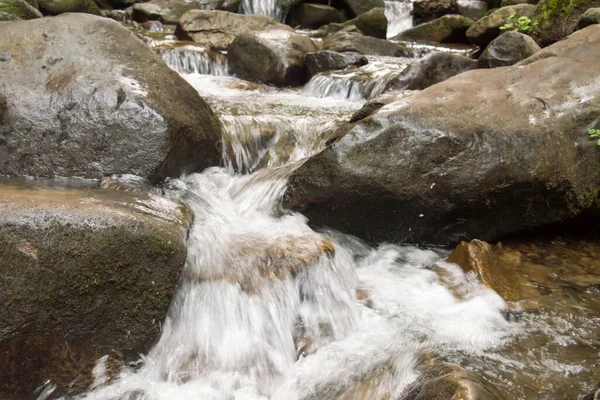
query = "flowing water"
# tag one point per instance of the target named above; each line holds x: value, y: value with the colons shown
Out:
x: 398, y: 14
x: 270, y: 309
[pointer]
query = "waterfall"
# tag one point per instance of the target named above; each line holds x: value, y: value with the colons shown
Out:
x: 269, y: 309
x: 398, y: 14
x: 194, y: 59
x: 272, y: 8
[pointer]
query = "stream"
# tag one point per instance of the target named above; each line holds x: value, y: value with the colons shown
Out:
x: 270, y: 309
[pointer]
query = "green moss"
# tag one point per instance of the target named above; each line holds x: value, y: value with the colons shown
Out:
x: 17, y: 9
x: 551, y: 10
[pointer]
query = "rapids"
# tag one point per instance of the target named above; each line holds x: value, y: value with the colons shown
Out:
x: 270, y: 309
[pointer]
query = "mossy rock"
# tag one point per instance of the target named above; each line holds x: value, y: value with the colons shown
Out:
x: 446, y: 29
x: 12, y: 10
x: 590, y: 17
x: 372, y: 23
x: 557, y: 19
x: 83, y: 273
x: 488, y: 28
x: 56, y: 7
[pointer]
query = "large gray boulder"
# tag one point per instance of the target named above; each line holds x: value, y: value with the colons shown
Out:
x: 482, y: 154
x: 446, y: 29
x: 274, y: 57
x: 488, y: 28
x: 13, y: 10
x: 169, y: 11
x: 84, y: 272
x: 367, y: 45
x: 102, y: 105
x: 434, y: 68
x: 218, y: 29
x: 508, y: 49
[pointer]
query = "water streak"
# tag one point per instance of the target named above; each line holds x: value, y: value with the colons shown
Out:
x: 398, y: 14
x: 271, y: 8
x: 193, y: 59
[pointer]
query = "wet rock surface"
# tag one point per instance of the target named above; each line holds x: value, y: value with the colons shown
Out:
x: 84, y: 272
x: 312, y: 16
x: 372, y: 23
x: 104, y: 104
x: 451, y: 165
x: 56, y: 7
x: 169, y: 12
x: 427, y: 10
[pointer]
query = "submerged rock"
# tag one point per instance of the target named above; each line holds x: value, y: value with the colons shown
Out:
x: 218, y: 29
x: 432, y: 69
x: 358, y: 43
x: 446, y: 29
x: 13, y: 10
x: 328, y: 60
x: 488, y: 28
x: 482, y: 154
x: 372, y: 23
x: 105, y: 104
x: 444, y: 381
x: 495, y: 266
x: 508, y: 49
x: 272, y: 57
x: 84, y: 272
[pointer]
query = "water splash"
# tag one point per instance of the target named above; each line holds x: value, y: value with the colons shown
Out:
x: 269, y: 309
x: 194, y: 59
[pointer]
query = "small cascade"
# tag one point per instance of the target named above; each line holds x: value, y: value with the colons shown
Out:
x: 358, y: 84
x: 271, y: 8
x: 398, y: 14
x: 194, y: 60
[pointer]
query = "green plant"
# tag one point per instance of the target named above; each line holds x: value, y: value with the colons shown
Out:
x: 521, y: 24
x: 594, y: 134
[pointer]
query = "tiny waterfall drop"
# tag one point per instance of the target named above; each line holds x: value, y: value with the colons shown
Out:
x: 271, y: 8
x: 194, y: 60
x: 398, y: 14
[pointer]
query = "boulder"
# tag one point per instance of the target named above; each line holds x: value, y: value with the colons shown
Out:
x: 56, y: 7
x: 434, y: 68
x: 102, y: 105
x: 372, y: 23
x: 170, y: 11
x: 445, y: 381
x: 218, y: 29
x: 13, y: 10
x: 273, y: 57
x: 446, y: 29
x: 312, y: 16
x: 84, y: 272
x: 327, y: 60
x: 362, y: 6
x: 473, y: 9
x: 488, y: 28
x: 356, y: 42
x: 508, y: 49
x: 428, y: 10
x: 483, y: 154
x: 495, y: 266
x: 589, y: 17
